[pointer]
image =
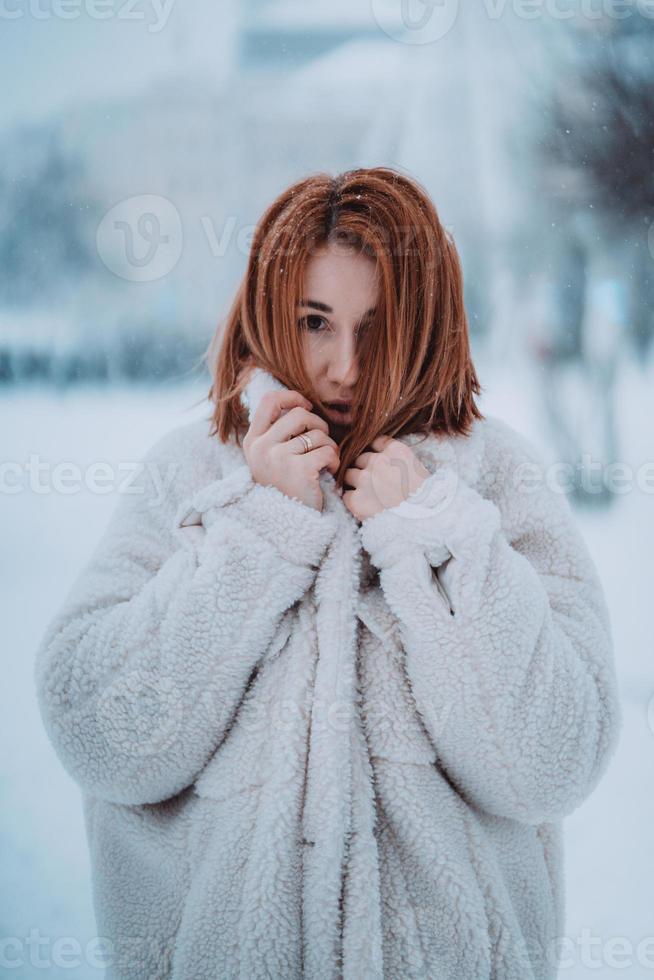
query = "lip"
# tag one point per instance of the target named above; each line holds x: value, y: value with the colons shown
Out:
x: 339, y: 416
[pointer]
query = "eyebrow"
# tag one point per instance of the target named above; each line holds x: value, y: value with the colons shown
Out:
x: 324, y: 308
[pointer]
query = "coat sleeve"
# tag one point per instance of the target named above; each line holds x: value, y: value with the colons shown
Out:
x: 506, y: 633
x: 141, y: 670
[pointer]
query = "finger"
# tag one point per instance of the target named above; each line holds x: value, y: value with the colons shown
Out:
x: 324, y: 458
x: 318, y: 438
x: 381, y: 442
x: 352, y: 477
x: 348, y: 500
x: 363, y: 459
x: 271, y: 406
x: 296, y: 420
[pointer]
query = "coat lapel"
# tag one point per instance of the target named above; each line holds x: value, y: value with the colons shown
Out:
x: 341, y: 935
x: 341, y: 912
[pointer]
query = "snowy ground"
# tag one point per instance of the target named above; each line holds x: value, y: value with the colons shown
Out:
x: 47, y: 536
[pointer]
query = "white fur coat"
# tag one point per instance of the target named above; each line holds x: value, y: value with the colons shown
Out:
x: 310, y: 747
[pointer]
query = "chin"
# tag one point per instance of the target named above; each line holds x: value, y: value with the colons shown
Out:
x: 338, y: 432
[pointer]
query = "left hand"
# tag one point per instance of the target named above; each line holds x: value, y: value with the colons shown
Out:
x: 382, y: 478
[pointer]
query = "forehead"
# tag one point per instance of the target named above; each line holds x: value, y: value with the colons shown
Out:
x: 342, y: 278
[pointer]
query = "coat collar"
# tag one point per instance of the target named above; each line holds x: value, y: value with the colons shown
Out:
x: 460, y: 453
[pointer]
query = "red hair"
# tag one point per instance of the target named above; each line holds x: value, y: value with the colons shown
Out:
x: 414, y: 356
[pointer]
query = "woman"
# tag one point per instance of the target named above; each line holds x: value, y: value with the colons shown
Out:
x: 329, y: 697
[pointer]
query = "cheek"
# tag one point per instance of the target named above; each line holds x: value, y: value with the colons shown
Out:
x: 315, y: 355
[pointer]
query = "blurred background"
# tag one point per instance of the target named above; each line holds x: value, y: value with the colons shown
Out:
x: 139, y: 143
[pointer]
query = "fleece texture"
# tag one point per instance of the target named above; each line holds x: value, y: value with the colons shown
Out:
x: 313, y: 747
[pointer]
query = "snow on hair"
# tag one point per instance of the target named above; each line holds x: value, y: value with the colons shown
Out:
x: 415, y: 356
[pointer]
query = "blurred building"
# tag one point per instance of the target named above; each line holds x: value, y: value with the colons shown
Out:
x: 282, y: 35
x: 195, y: 157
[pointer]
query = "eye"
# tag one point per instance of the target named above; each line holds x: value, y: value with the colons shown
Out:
x: 312, y: 322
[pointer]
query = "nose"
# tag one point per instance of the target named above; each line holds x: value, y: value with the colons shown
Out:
x: 343, y: 370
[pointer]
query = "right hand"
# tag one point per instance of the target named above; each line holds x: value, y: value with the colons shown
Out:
x: 274, y: 454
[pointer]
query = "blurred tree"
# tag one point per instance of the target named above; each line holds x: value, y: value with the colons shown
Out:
x: 602, y: 127
x: 45, y: 239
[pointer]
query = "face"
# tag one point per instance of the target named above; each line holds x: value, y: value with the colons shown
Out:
x: 339, y: 296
